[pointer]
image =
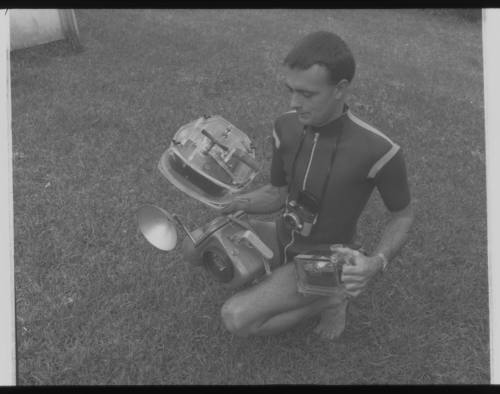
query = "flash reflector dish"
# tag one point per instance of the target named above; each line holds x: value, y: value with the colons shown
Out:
x: 157, y: 225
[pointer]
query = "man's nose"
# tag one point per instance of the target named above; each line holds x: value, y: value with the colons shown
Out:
x: 295, y: 101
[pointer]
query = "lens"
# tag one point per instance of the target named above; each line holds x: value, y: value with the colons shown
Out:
x: 219, y: 264
x: 292, y: 220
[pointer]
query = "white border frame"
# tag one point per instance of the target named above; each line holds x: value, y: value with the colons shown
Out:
x: 491, y: 63
x: 7, y: 296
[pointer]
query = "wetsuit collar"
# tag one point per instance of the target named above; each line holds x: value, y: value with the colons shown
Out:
x: 332, y: 125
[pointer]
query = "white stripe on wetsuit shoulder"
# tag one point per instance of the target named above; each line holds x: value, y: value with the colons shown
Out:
x: 380, y: 163
x: 277, y: 141
x: 367, y: 126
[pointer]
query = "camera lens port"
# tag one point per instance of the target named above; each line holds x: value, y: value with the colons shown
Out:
x: 292, y: 221
x: 218, y: 264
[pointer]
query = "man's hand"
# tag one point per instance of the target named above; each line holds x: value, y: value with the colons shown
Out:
x: 236, y: 204
x: 357, y: 276
x: 358, y: 271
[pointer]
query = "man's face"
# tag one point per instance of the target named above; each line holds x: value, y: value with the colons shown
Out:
x: 313, y: 96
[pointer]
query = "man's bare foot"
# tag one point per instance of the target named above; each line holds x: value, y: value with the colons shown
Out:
x: 332, y: 321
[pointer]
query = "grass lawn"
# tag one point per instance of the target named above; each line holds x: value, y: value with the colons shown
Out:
x: 96, y: 304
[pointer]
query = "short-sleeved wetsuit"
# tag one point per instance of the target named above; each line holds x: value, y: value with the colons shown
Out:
x: 364, y: 158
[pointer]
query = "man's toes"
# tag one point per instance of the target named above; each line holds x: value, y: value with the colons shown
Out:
x: 332, y: 323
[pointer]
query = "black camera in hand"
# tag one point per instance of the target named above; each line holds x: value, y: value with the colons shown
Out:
x: 301, y: 214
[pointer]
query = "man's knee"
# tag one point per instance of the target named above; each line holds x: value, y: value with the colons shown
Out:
x: 232, y: 314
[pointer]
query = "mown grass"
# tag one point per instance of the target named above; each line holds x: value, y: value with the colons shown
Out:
x: 96, y: 304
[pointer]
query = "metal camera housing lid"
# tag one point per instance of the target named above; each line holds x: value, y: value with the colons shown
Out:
x: 209, y: 159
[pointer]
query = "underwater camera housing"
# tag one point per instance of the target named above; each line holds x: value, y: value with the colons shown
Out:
x: 320, y: 272
x: 227, y: 246
x: 210, y: 159
x: 229, y: 249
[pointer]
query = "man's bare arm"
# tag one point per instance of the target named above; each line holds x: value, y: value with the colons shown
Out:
x: 395, y: 233
x: 266, y: 199
x: 357, y: 276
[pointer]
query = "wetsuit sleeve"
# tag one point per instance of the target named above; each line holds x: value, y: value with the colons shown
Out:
x: 392, y: 183
x: 278, y: 175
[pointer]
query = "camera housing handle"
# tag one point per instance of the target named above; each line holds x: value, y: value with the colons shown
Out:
x: 255, y: 241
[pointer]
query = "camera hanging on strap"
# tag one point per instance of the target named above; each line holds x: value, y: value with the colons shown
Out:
x: 301, y: 213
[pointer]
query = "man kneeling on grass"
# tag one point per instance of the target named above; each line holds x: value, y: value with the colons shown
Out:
x: 325, y: 153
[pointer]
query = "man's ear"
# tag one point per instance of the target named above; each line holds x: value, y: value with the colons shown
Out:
x: 342, y: 87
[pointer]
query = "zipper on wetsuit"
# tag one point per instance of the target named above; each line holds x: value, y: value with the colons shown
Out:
x: 316, y: 137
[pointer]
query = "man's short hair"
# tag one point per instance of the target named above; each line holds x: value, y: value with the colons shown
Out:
x: 326, y: 49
